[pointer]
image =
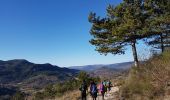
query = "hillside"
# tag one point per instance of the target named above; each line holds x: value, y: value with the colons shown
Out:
x: 24, y: 73
x: 149, y: 81
x: 108, y: 73
x: 117, y: 66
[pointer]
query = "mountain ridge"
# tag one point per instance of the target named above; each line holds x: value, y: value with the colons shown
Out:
x: 88, y: 68
x: 25, y: 72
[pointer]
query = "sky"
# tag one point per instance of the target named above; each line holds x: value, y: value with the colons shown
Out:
x: 52, y: 31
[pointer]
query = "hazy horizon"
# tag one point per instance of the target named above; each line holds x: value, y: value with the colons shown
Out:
x: 67, y: 66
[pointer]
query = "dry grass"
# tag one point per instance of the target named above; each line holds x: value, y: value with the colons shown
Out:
x: 151, y: 81
x: 72, y: 95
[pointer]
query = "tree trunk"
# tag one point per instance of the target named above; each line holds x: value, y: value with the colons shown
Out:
x: 135, y: 56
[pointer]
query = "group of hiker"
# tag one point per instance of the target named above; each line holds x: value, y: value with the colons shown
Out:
x: 102, y: 88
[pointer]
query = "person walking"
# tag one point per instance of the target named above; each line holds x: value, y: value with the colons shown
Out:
x: 93, y: 90
x: 109, y: 85
x: 83, y: 90
x: 105, y: 87
x: 102, y: 89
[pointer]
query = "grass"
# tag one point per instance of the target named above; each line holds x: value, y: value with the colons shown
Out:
x: 71, y: 95
x: 150, y: 81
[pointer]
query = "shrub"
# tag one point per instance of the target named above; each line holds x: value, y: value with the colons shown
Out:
x: 18, y: 96
x: 59, y: 89
x: 148, y: 81
x: 39, y: 96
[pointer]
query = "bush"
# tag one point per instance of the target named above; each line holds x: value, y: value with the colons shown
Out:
x: 18, y: 96
x: 59, y: 89
x: 148, y: 81
x: 39, y: 96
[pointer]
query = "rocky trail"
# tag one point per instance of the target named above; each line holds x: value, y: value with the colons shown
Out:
x: 111, y: 95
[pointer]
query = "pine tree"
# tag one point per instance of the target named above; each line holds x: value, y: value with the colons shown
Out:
x: 130, y: 21
x: 124, y: 25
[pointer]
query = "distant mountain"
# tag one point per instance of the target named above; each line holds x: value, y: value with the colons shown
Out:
x: 28, y: 74
x: 107, y: 73
x: 117, y: 66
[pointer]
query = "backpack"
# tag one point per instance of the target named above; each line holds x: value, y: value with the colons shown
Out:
x: 83, y: 88
x: 93, y: 89
x: 110, y: 84
x: 102, y: 88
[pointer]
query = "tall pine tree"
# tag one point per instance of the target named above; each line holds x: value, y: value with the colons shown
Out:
x: 124, y: 25
x: 129, y: 22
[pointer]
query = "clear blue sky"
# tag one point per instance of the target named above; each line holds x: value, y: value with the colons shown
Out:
x: 52, y: 31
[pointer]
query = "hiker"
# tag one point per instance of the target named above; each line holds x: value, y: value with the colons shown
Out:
x: 109, y: 85
x: 102, y: 89
x: 93, y: 90
x: 83, y: 90
x: 105, y: 87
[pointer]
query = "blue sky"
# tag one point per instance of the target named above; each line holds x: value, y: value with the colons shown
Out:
x: 52, y: 31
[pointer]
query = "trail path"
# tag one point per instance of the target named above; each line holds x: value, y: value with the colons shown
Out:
x: 112, y: 95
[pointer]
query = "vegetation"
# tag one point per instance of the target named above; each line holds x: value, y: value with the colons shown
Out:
x: 160, y: 22
x: 32, y: 75
x: 84, y: 76
x: 150, y: 81
x: 11, y: 93
x: 57, y: 90
x: 18, y: 96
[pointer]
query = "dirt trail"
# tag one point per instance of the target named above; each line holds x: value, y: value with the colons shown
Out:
x: 112, y: 95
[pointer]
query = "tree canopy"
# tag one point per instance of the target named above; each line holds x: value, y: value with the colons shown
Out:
x: 159, y: 11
